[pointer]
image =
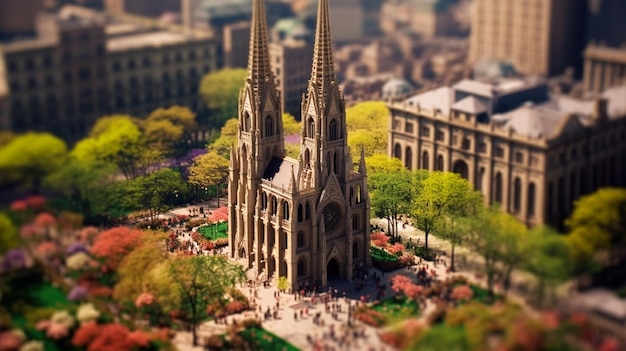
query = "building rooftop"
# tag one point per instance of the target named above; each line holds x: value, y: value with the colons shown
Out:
x: 493, y: 88
x: 140, y: 40
x: 440, y: 99
x: 470, y: 105
x: 279, y: 171
x: 533, y: 120
x: 28, y: 44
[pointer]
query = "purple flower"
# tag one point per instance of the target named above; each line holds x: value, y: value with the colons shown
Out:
x: 77, y: 293
x: 76, y: 248
x: 292, y: 139
x: 14, y: 259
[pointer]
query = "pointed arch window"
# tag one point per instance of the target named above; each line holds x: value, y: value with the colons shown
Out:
x: 333, y: 133
x: 310, y: 128
x: 286, y: 210
x: 531, y: 199
x: 358, y: 194
x: 355, y: 222
x: 246, y: 122
x: 307, y: 211
x: 264, y: 201
x: 300, y: 213
x: 355, y: 250
x: 336, y: 162
x: 301, y: 242
x: 301, y: 268
x: 517, y: 194
x: 274, y: 205
x: 269, y: 126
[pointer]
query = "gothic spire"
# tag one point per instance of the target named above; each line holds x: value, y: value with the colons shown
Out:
x: 258, y: 59
x: 323, y: 71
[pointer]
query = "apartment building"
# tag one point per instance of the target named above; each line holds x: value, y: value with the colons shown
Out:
x: 291, y: 63
x: 84, y: 64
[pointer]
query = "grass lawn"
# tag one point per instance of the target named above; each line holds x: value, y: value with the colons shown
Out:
x: 382, y: 255
x: 261, y: 339
x: 395, y: 309
x: 214, y: 231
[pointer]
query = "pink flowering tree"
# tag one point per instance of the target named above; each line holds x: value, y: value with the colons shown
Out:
x: 379, y: 240
x: 462, y: 293
x: 219, y: 215
x: 404, y: 285
x: 396, y: 249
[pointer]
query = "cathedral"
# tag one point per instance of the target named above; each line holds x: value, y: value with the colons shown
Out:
x: 305, y: 219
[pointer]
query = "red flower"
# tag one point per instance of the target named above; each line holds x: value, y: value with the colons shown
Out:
x: 45, y: 219
x: 19, y: 206
x: 35, y: 202
x: 114, y: 244
x: 219, y: 215
x: 462, y: 293
x: 379, y: 239
x: 139, y: 338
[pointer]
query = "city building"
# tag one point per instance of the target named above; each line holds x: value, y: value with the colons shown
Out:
x: 604, y: 22
x: 534, y: 158
x: 305, y: 219
x: 605, y: 67
x: 539, y: 37
x: 83, y: 64
x: 149, y: 8
x: 17, y: 18
x: 291, y: 63
x: 433, y: 18
x: 235, y: 44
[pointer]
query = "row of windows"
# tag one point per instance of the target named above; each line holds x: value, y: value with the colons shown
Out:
x: 147, y: 61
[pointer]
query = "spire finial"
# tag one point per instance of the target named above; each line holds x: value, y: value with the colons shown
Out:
x: 323, y: 70
x: 259, y: 69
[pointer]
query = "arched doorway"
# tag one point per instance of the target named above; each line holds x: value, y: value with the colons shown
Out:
x: 242, y: 252
x: 332, y: 270
x: 460, y: 167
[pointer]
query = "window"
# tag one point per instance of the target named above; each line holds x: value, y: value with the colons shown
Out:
x: 269, y: 126
x: 574, y: 153
x: 408, y: 127
x: 397, y: 125
x: 307, y: 211
x: 355, y: 222
x: 498, y: 188
x: 408, y: 158
x: 466, y: 144
x: 519, y: 157
x: 482, y: 147
x: 517, y: 194
x: 301, y: 268
x: 147, y: 62
x: 332, y: 130
x: 301, y: 242
x: 531, y: 199
x: 425, y: 132
x: 439, y: 166
x: 499, y: 152
x: 131, y: 64
x: 439, y: 136
x: 300, y: 213
x: 286, y: 210
x: 425, y: 160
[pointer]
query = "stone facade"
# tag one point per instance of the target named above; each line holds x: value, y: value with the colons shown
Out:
x: 535, y: 159
x: 605, y: 67
x: 305, y: 219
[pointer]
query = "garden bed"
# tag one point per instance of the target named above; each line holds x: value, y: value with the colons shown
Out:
x: 396, y: 308
x: 261, y: 339
x: 214, y: 231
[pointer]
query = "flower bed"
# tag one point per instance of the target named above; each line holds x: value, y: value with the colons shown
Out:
x: 397, y: 308
x: 383, y: 260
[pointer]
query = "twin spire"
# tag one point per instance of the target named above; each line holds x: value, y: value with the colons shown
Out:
x: 259, y: 69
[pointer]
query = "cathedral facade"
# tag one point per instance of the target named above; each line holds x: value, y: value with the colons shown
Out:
x: 305, y: 219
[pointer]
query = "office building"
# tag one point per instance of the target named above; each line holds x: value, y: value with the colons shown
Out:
x: 539, y: 37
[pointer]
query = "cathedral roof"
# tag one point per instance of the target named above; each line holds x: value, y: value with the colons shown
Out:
x: 278, y: 171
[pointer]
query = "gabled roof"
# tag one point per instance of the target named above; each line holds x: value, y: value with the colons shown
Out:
x: 470, y: 105
x: 439, y: 99
x: 534, y: 121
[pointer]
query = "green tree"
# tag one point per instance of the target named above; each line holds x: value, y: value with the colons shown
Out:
x: 220, y: 92
x: 549, y: 259
x: 85, y: 185
x: 8, y: 235
x: 208, y: 170
x: 513, y: 247
x: 464, y: 201
x: 283, y: 283
x: 597, y: 223
x: 290, y: 125
x: 29, y: 157
x: 189, y: 287
x: 434, y: 195
x: 367, y: 127
x: 482, y: 236
x: 118, y: 140
x: 380, y: 163
x: 390, y: 195
x: 154, y: 192
x: 228, y: 138
x: 166, y: 127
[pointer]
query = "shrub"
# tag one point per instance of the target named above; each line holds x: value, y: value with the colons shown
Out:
x: 427, y: 254
x: 370, y: 317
